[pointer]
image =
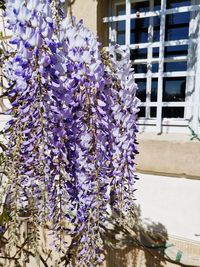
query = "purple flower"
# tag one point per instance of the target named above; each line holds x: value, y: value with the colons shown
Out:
x: 72, y: 136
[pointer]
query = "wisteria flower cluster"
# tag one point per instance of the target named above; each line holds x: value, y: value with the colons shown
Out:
x: 71, y: 139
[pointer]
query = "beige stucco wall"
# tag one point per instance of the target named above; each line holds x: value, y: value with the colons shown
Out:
x: 171, y: 154
x: 92, y: 13
x: 86, y: 10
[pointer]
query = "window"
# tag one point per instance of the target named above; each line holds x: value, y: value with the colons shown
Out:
x: 177, y: 3
x: 141, y: 92
x: 154, y: 89
x: 162, y: 36
x: 142, y: 6
x: 174, y: 89
x: 174, y: 51
x: 121, y: 34
x: 177, y: 26
x: 139, y: 30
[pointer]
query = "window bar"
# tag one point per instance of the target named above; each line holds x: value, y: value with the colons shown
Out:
x: 110, y: 24
x: 154, y: 13
x: 149, y: 62
x: 168, y: 43
x: 190, y: 80
x: 161, y: 65
x: 195, y: 123
x: 128, y: 22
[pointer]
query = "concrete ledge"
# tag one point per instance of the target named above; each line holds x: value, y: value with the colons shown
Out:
x: 168, y: 154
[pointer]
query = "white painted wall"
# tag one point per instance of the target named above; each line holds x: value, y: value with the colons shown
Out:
x: 174, y: 202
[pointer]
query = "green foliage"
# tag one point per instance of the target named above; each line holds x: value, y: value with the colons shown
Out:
x: 194, y: 136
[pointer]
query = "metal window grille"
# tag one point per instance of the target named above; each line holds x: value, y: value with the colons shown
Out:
x: 164, y: 39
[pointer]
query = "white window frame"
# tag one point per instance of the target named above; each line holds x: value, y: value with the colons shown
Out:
x: 192, y: 102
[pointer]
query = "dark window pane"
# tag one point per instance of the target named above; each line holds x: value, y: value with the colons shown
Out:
x: 120, y: 26
x: 154, y: 89
x: 139, y: 30
x: 175, y: 66
x: 173, y: 112
x: 156, y: 29
x: 140, y: 68
x: 156, y: 52
x: 157, y: 4
x: 142, y: 112
x: 177, y: 26
x: 174, y: 89
x: 140, y: 7
x: 153, y: 112
x: 141, y: 91
x: 121, y: 38
x: 154, y: 67
x: 138, y: 54
x: 121, y: 10
x: 177, y: 3
x: 178, y: 50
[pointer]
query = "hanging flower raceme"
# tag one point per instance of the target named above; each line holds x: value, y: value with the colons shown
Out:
x: 124, y: 108
x: 71, y: 138
x: 37, y: 133
x: 86, y: 71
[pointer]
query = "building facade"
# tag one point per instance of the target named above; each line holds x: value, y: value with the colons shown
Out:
x: 163, y: 37
x: 164, y: 41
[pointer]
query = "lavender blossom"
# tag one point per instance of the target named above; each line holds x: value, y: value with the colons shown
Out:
x: 72, y: 135
x: 37, y: 165
x: 124, y: 113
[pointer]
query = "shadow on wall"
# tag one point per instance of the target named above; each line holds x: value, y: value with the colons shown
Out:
x: 132, y: 258
x: 102, y: 28
x: 131, y: 242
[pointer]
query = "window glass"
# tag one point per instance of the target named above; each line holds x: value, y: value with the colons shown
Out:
x: 175, y: 66
x: 156, y: 29
x: 141, y: 91
x: 177, y: 3
x: 154, y: 89
x: 156, y: 52
x: 177, y: 26
x: 120, y: 27
x: 138, y: 54
x: 174, y: 89
x: 139, y: 30
x: 154, y: 67
x: 178, y: 50
x: 121, y: 10
x: 140, y: 7
x: 157, y: 4
x: 173, y: 112
x: 140, y: 68
x: 153, y: 112
x: 142, y: 112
